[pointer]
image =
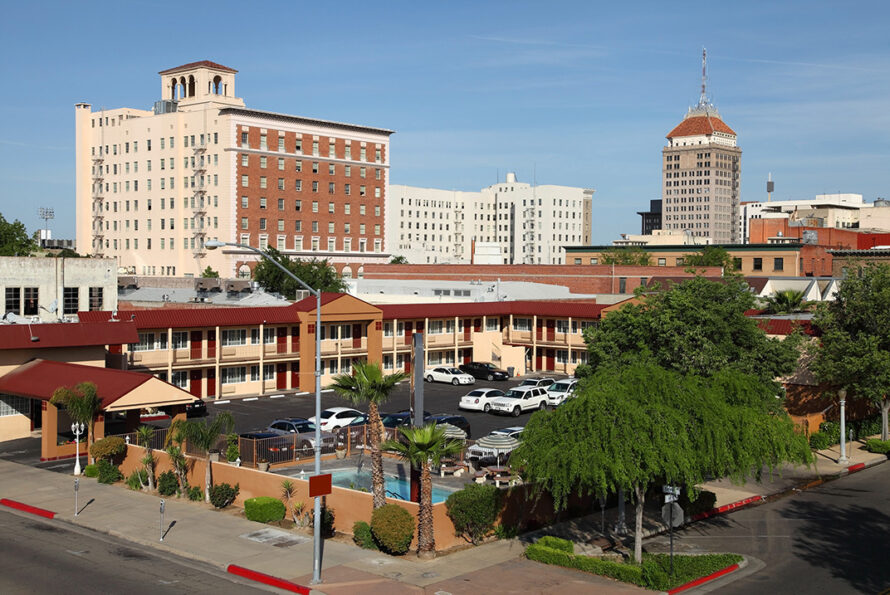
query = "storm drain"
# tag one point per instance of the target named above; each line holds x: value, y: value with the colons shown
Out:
x: 276, y: 538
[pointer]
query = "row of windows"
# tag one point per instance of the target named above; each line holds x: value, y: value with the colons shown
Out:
x: 298, y: 226
x: 25, y: 301
x: 298, y: 167
x: 298, y: 206
x: 192, y: 162
x: 279, y: 140
x: 190, y: 202
x: 315, y: 244
x: 188, y: 182
x: 298, y: 186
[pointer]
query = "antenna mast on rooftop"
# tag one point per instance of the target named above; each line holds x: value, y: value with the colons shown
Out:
x: 703, y: 100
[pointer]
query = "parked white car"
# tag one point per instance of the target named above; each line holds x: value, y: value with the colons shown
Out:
x: 479, y: 399
x: 519, y: 399
x: 450, y: 375
x: 481, y: 452
x: 560, y: 391
x: 336, y: 417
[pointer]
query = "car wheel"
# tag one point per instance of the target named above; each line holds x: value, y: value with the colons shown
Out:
x: 487, y: 408
x: 306, y: 446
x: 490, y: 377
x: 516, y: 411
x: 454, y: 381
x: 543, y: 405
x: 429, y: 378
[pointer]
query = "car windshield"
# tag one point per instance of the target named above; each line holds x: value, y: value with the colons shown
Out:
x: 476, y: 393
x: 488, y: 366
x: 515, y: 394
x: 305, y: 427
x: 559, y: 387
x: 454, y: 371
x: 394, y: 419
x: 529, y: 382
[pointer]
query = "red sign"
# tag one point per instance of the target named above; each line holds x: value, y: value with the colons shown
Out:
x: 319, y: 485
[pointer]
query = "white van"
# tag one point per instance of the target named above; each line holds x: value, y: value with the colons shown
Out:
x: 559, y: 391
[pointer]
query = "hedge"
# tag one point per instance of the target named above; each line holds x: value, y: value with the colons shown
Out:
x: 878, y: 446
x: 651, y: 574
x: 264, y: 509
x: 393, y: 528
x: 557, y: 543
x: 91, y: 471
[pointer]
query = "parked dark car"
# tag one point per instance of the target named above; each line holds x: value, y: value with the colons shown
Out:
x: 402, y: 418
x: 455, y: 420
x: 197, y: 408
x: 484, y: 371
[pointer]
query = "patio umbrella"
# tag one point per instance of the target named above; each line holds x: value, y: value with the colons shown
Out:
x: 452, y: 431
x: 499, y: 443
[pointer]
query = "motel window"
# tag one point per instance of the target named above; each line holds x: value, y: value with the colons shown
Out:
x: 758, y: 264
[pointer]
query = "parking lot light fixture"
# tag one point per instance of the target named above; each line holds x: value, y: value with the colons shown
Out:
x: 316, y: 557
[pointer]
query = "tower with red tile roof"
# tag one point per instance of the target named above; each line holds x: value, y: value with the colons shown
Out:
x: 701, y: 166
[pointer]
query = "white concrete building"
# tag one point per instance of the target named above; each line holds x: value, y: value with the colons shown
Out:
x: 529, y: 223
x: 50, y: 289
x: 153, y: 185
x: 833, y: 210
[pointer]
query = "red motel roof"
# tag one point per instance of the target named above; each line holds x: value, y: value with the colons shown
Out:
x: 67, y: 334
x: 523, y: 307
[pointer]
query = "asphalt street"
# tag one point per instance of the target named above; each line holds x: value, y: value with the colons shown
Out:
x: 834, y: 538
x: 39, y: 556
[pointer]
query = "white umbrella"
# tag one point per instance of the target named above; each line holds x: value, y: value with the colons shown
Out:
x: 452, y: 431
x: 498, y: 443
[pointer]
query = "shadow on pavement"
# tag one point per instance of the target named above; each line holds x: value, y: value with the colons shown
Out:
x: 849, y: 541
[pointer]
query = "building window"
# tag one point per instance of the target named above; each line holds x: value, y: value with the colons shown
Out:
x: 31, y: 299
x: 758, y: 264
x: 522, y: 324
x: 70, y: 300
x: 232, y: 337
x: 96, y: 301
x: 180, y: 379
x: 180, y: 340
x: 594, y: 261
x: 737, y: 263
x: 233, y: 375
x: 622, y: 284
x: 778, y: 265
x: 662, y: 262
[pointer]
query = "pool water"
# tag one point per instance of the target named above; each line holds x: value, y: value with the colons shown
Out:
x: 355, y: 480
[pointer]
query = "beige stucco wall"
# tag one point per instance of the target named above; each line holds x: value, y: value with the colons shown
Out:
x: 14, y: 426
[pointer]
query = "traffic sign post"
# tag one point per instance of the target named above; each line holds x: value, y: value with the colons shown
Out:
x: 672, y: 514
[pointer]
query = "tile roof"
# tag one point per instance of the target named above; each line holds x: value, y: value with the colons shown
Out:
x: 784, y: 326
x: 39, y: 378
x: 67, y: 334
x: 575, y: 309
x: 190, y: 65
x: 698, y: 125
x: 203, y: 317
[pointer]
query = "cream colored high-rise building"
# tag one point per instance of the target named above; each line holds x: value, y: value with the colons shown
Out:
x: 701, y: 167
x: 153, y: 185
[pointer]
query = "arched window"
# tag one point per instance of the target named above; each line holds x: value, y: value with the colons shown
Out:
x: 182, y: 88
x: 346, y: 272
x: 217, y: 85
x: 191, y: 86
x: 173, y: 90
x: 361, y: 273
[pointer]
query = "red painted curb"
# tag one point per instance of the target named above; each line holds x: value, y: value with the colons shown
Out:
x: 856, y: 467
x: 726, y: 508
x: 27, y: 508
x: 704, y: 579
x: 267, y: 579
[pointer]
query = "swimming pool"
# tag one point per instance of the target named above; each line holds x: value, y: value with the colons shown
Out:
x: 355, y: 480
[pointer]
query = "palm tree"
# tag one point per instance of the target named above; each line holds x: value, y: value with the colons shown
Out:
x: 203, y: 435
x: 785, y: 302
x: 368, y: 384
x: 144, y: 434
x: 424, y: 448
x: 82, y: 403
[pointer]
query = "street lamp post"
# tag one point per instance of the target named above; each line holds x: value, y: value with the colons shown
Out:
x: 77, y: 429
x: 842, y: 394
x: 316, y: 557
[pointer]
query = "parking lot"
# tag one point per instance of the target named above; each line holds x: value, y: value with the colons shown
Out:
x: 257, y: 413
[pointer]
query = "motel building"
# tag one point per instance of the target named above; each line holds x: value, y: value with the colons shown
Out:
x: 215, y: 353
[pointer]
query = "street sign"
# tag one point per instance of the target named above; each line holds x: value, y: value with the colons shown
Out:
x: 320, y: 485
x: 670, y: 498
x: 672, y: 490
x: 672, y: 514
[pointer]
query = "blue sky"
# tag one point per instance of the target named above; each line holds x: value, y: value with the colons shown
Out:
x: 573, y: 93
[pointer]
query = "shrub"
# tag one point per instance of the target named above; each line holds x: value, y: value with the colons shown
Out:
x: 137, y: 479
x: 327, y: 520
x: 703, y: 502
x: 474, y: 510
x: 108, y: 471
x: 556, y: 543
x: 820, y: 441
x: 393, y: 528
x: 168, y: 484
x: 868, y: 426
x: 232, y: 452
x: 90, y: 471
x: 654, y: 576
x: 264, y: 509
x: 108, y: 448
x: 196, y: 494
x: 833, y: 429
x: 221, y: 495
x: 878, y: 446
x: 506, y: 531
x: 362, y: 536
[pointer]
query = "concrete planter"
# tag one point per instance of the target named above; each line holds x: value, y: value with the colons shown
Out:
x: 214, y: 456
x: 263, y: 465
x: 340, y: 452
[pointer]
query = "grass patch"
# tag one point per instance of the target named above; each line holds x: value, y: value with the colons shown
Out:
x: 651, y: 574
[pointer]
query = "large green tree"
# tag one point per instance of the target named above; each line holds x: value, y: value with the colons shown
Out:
x: 696, y: 327
x: 203, y: 435
x: 854, y: 347
x: 368, y: 385
x: 711, y: 256
x: 423, y: 448
x: 83, y: 405
x: 634, y: 426
x: 14, y: 239
x: 317, y: 274
x: 629, y: 256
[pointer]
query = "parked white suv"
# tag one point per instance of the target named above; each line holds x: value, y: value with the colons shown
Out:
x: 519, y: 399
x: 560, y: 391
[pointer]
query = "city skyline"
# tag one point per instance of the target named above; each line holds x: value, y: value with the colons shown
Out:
x: 581, y: 96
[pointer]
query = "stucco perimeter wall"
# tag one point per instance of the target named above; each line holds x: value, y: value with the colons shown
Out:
x: 14, y: 426
x: 349, y: 506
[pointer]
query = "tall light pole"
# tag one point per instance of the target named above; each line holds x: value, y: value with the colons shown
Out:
x: 77, y: 429
x: 316, y: 557
x: 842, y: 395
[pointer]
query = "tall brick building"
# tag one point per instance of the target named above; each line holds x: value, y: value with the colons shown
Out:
x: 153, y: 185
x: 701, y: 167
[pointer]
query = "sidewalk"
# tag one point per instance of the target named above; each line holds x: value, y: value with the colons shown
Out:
x: 220, y: 538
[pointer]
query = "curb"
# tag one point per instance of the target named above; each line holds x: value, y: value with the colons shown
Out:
x: 706, y: 579
x: 726, y: 508
x: 267, y: 579
x: 28, y: 508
